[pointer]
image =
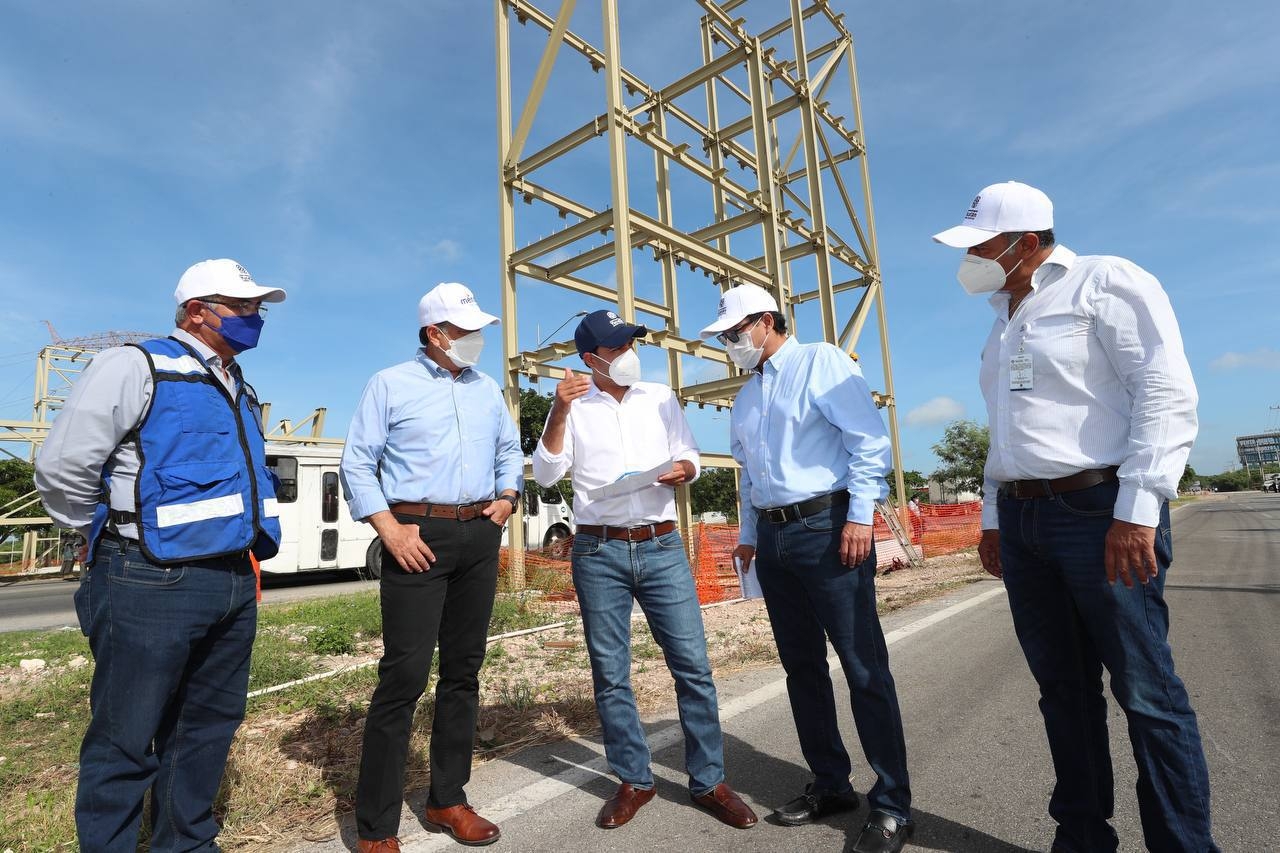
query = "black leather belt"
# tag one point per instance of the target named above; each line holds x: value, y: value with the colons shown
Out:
x: 642, y: 533
x: 795, y: 512
x: 1027, y: 489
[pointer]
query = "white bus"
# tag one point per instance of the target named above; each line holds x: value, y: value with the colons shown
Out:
x: 319, y: 534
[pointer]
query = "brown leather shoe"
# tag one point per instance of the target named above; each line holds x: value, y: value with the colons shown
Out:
x: 726, y: 805
x: 466, y: 827
x: 382, y: 845
x: 623, y: 805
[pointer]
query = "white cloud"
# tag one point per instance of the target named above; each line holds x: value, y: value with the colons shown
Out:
x: 445, y: 250
x: 1263, y: 358
x: 939, y: 410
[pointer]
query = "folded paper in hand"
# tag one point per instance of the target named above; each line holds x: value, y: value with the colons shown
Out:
x: 748, y: 580
x: 629, y: 483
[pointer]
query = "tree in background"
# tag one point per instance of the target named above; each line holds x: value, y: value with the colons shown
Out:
x: 534, y: 408
x: 16, y: 480
x: 714, y: 491
x: 963, y: 451
x: 917, y: 484
x: 1189, y: 478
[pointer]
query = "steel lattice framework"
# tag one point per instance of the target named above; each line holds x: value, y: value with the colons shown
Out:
x: 778, y: 101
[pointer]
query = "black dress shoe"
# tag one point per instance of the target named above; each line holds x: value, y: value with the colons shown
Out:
x: 812, y: 805
x: 883, y: 834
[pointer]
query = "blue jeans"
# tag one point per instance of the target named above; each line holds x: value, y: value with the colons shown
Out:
x: 609, y: 574
x: 1071, y: 623
x: 812, y: 598
x: 171, y: 646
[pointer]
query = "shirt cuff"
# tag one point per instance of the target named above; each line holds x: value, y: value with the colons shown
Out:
x: 515, y: 484
x: 364, y: 506
x: 1138, y: 506
x: 861, y: 510
x: 693, y: 459
x: 747, y: 528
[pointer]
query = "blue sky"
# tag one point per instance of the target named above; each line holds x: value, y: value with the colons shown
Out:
x: 347, y: 152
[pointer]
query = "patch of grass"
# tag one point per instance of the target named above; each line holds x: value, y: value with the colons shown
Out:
x: 52, y: 647
x: 359, y: 614
x: 519, y: 695
x: 40, y: 732
x: 332, y: 640
x: 277, y: 658
x: 518, y: 612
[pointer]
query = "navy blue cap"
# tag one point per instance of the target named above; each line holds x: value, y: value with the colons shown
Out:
x: 605, y: 329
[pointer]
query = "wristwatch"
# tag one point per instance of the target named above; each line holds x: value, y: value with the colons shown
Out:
x: 514, y: 500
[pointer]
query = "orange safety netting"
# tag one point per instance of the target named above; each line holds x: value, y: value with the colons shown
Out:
x: 935, y: 528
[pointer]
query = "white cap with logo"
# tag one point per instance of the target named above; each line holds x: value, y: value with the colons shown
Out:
x: 223, y: 277
x: 736, y: 305
x: 450, y: 302
x: 1004, y: 208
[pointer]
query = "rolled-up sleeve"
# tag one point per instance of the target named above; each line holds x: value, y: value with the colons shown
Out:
x: 104, y: 405
x: 549, y: 468
x: 1139, y: 332
x: 679, y: 437
x: 362, y: 453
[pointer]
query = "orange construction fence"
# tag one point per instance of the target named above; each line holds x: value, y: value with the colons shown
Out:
x: 936, y: 529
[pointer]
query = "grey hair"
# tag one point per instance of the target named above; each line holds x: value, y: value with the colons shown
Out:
x: 1045, y: 237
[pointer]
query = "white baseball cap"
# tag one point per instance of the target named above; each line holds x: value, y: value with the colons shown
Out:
x: 1005, y: 208
x: 223, y: 277
x: 736, y: 305
x: 450, y: 302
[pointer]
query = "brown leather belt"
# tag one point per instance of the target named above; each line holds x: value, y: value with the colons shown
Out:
x: 460, y: 512
x: 1026, y: 489
x: 643, y: 533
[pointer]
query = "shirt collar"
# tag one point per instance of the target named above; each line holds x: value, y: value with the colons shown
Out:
x: 437, y: 371
x: 1061, y: 257
x: 202, y: 349
x: 781, y: 354
x: 594, y: 391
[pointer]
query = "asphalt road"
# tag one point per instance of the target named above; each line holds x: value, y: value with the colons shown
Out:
x: 30, y: 605
x: 981, y: 775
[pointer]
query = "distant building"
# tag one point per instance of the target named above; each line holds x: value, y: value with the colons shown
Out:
x: 1258, y: 450
x: 947, y: 493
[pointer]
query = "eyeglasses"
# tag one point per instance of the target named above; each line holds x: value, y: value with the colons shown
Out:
x: 732, y: 335
x: 242, y: 307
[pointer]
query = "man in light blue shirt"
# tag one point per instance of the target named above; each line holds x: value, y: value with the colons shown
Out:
x: 433, y: 462
x: 814, y: 453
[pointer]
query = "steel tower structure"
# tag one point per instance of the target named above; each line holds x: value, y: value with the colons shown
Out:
x: 779, y: 100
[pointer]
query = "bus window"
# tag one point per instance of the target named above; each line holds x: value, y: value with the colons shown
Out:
x: 286, y: 470
x: 329, y: 497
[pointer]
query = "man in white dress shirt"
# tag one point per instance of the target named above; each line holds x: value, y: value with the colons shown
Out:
x: 627, y: 548
x: 1092, y: 412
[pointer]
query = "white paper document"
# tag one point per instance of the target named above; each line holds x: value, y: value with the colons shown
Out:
x: 629, y: 483
x: 748, y: 580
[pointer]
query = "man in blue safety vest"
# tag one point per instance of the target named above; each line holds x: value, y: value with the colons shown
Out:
x: 158, y: 460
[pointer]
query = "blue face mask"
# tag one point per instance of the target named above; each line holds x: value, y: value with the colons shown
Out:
x: 241, y: 333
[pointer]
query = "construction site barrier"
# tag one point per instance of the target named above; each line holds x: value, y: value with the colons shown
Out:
x: 935, y: 530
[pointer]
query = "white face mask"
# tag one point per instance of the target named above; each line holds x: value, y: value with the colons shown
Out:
x: 743, y: 352
x: 624, y: 369
x: 983, y: 275
x: 465, y: 351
